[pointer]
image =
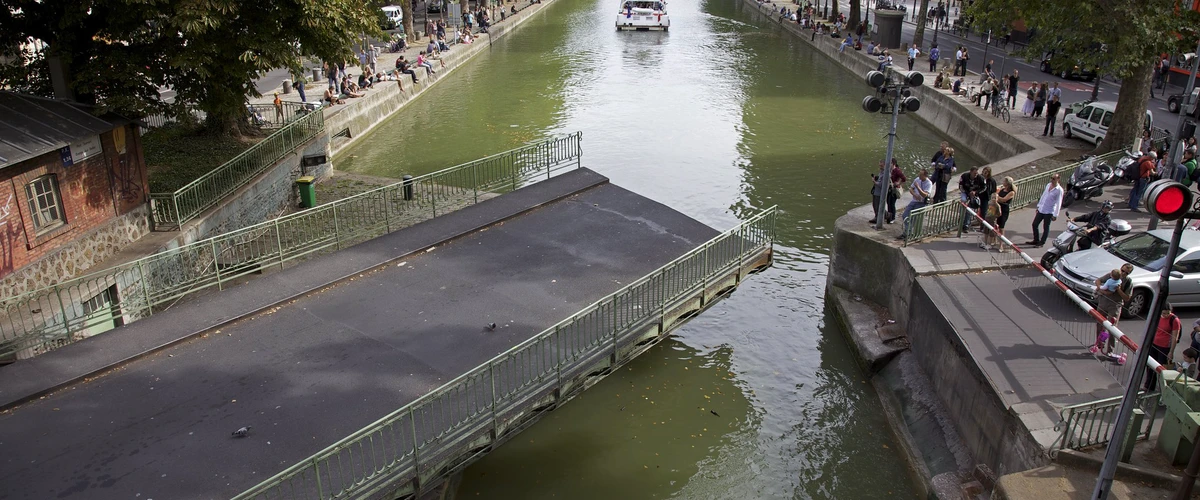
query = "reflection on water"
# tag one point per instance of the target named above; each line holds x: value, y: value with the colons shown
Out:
x: 719, y: 118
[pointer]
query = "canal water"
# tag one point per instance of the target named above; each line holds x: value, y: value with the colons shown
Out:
x: 760, y: 397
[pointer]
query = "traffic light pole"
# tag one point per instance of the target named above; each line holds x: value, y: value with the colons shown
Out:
x: 885, y: 177
x: 1113, y: 452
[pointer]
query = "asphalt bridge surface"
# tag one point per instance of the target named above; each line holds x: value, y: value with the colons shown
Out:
x: 315, y: 370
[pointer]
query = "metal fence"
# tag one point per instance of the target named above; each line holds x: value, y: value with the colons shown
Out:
x: 1091, y: 424
x: 416, y: 441
x: 42, y: 320
x: 946, y: 216
x: 174, y: 209
x: 266, y: 117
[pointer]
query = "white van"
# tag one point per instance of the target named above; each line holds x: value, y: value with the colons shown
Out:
x: 1091, y: 123
x: 394, y: 14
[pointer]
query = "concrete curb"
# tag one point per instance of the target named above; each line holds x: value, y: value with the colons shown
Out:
x: 1125, y: 472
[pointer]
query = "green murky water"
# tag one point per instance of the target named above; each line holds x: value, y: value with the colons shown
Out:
x: 721, y: 117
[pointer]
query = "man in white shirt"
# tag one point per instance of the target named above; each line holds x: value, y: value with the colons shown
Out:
x: 922, y: 189
x: 958, y: 61
x: 1047, y: 210
x: 1054, y: 92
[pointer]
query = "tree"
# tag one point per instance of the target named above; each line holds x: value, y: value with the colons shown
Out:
x: 834, y: 13
x: 855, y: 14
x: 922, y: 18
x: 1086, y: 32
x: 406, y: 6
x: 118, y: 53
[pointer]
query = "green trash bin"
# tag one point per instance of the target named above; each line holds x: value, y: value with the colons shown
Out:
x: 308, y: 192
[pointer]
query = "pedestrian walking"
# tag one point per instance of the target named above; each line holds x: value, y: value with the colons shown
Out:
x: 1145, y: 169
x: 1004, y: 196
x: 1014, y: 81
x: 278, y: 108
x: 1166, y: 335
x: 1108, y: 303
x: 913, y: 53
x: 1039, y: 101
x: 300, y: 87
x: 943, y: 168
x: 920, y: 188
x: 1051, y: 115
x: 1047, y: 211
x: 934, y: 55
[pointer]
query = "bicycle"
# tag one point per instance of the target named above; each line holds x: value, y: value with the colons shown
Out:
x: 1000, y: 110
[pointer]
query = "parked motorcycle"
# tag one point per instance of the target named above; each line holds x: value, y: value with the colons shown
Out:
x: 1126, y: 169
x: 1065, y: 242
x: 1087, y: 181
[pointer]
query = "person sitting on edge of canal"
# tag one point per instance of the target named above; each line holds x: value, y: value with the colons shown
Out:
x: 1047, y: 210
x: 423, y: 63
x: 940, y: 177
x: 970, y: 186
x: 849, y: 41
x: 402, y: 66
x: 1166, y: 335
x: 920, y: 188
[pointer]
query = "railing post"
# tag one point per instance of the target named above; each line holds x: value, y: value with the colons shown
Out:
x: 216, y: 265
x: 387, y: 210
x: 962, y: 211
x: 495, y: 423
x: 433, y: 197
x: 62, y: 309
x: 279, y: 243
x: 145, y: 286
x: 412, y: 420
x: 614, y: 331
x: 178, y: 214
x: 475, y: 181
x: 317, y: 473
x: 337, y: 233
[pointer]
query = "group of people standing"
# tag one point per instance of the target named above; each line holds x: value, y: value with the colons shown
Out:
x: 1041, y: 97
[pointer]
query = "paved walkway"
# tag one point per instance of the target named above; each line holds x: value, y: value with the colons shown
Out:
x: 316, y: 368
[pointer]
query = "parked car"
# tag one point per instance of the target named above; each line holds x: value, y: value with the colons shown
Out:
x: 434, y: 7
x: 1175, y: 103
x: 1147, y: 251
x: 1091, y: 122
x: 1067, y: 71
x: 393, y: 17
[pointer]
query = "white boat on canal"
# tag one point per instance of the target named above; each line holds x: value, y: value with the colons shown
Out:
x: 643, y: 15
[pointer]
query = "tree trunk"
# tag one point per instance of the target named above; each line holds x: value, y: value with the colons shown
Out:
x: 406, y: 7
x: 466, y: 7
x: 855, y: 15
x: 225, y: 111
x: 1131, y: 110
x: 833, y: 13
x: 922, y: 16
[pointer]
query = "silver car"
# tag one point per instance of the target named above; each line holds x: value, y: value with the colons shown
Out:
x: 1147, y: 251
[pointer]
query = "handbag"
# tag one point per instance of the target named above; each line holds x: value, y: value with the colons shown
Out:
x: 946, y: 176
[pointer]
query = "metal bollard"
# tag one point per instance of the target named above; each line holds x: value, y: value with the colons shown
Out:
x: 408, y: 187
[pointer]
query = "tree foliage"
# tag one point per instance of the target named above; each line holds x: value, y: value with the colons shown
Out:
x: 119, y: 53
x: 1121, y: 37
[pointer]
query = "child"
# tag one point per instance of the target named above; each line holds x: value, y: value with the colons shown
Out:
x: 1110, y: 285
x: 1188, y: 365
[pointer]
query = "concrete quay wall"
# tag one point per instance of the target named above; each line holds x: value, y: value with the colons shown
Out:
x: 345, y: 124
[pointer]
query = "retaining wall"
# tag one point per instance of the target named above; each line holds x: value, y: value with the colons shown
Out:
x: 347, y: 123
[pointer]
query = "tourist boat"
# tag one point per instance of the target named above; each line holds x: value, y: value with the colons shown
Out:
x: 643, y: 15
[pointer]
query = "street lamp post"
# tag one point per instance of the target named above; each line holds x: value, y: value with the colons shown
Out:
x: 891, y: 87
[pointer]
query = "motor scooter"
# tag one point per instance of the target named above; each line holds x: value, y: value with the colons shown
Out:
x: 1065, y: 242
x: 1087, y: 181
x: 1126, y: 169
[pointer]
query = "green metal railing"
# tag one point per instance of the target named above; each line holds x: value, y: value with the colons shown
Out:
x: 946, y: 216
x: 417, y: 441
x: 266, y: 117
x: 51, y: 317
x: 1091, y: 424
x: 174, y: 209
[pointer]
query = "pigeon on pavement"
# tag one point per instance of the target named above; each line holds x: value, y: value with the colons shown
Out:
x: 243, y: 432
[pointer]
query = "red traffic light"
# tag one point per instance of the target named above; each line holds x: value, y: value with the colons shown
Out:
x: 1167, y: 199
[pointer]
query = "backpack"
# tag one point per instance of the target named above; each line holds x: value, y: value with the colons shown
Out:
x: 1193, y: 172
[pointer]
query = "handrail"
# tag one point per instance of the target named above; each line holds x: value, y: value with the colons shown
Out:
x: 44, y: 319
x: 184, y: 204
x: 393, y: 447
x: 1091, y: 424
x: 946, y: 216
